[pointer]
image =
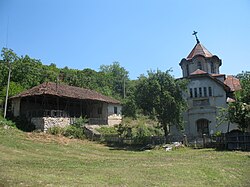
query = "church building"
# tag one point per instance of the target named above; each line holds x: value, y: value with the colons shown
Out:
x: 208, y: 92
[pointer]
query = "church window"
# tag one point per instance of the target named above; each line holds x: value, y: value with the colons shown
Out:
x: 200, y: 92
x: 195, y: 92
x: 199, y: 65
x: 209, y: 91
x: 191, y: 92
x: 205, y: 91
x: 212, y: 67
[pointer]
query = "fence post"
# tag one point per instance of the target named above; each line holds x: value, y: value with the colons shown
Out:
x: 185, y: 142
x: 204, y: 140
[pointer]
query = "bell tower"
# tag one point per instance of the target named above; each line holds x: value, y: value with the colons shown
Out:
x: 200, y: 58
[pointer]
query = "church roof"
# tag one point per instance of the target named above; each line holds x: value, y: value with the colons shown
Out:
x: 198, y: 72
x: 199, y: 49
x: 233, y: 83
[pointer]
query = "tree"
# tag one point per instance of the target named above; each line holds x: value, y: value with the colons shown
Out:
x: 160, y: 95
x: 243, y: 95
x: 117, y: 77
x: 239, y: 112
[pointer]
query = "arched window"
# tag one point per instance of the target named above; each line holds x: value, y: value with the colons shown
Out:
x: 202, y: 126
x: 199, y: 65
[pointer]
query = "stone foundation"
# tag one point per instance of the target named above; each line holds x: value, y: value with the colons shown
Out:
x: 44, y: 123
x: 114, y: 120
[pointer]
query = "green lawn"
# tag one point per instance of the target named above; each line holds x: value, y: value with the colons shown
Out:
x: 44, y: 160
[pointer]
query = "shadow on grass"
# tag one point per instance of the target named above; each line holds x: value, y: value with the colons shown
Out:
x: 127, y: 147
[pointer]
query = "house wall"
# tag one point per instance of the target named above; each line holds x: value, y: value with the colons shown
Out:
x: 114, y: 115
x: 44, y: 123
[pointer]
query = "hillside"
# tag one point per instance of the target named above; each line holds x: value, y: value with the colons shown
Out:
x: 33, y: 159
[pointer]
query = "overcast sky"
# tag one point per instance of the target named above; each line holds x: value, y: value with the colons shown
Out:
x: 140, y: 34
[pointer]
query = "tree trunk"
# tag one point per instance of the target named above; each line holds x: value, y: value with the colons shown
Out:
x: 166, y: 133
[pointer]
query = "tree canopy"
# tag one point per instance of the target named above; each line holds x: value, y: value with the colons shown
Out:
x: 159, y: 94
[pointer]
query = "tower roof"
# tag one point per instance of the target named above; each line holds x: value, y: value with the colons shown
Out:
x: 199, y: 49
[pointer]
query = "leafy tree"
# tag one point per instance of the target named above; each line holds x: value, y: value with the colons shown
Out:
x: 243, y: 95
x: 14, y: 89
x: 239, y: 112
x: 117, y: 77
x: 160, y: 95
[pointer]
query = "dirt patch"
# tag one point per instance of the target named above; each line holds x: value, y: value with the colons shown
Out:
x: 48, y: 138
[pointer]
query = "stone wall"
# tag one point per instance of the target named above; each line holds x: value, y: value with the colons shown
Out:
x: 44, y: 123
x: 114, y: 119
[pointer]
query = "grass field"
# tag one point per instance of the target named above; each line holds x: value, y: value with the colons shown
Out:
x: 32, y: 159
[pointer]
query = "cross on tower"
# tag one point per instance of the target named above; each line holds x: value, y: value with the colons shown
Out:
x: 195, y: 34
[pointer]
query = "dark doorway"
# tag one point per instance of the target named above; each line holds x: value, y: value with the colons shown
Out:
x: 202, y: 127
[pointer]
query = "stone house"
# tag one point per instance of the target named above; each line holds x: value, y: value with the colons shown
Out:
x: 51, y: 104
x: 208, y: 91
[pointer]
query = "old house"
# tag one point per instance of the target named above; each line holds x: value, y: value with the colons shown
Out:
x: 208, y: 91
x: 51, y: 104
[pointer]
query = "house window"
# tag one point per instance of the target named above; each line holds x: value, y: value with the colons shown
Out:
x: 210, y: 91
x: 199, y: 65
x: 115, y: 110
x: 205, y: 91
x: 99, y: 110
x: 200, y: 92
x: 195, y: 92
x: 191, y: 92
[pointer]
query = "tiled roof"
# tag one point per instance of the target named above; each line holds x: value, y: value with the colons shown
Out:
x: 62, y: 90
x: 198, y: 72
x: 199, y: 49
x: 233, y: 83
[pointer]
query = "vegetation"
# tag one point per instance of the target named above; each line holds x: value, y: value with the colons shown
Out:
x: 138, y: 130
x: 239, y: 111
x: 160, y: 95
x: 72, y: 131
x: 37, y: 159
x: 151, y: 95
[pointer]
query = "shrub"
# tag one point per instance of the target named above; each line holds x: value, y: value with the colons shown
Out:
x: 140, y: 134
x: 73, y: 132
x: 56, y: 130
x: 6, y: 122
x: 108, y: 130
x: 79, y: 122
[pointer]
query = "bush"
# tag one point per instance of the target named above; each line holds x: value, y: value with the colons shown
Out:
x: 73, y: 132
x: 56, y: 130
x: 140, y: 134
x: 6, y: 122
x: 108, y: 130
x: 79, y: 122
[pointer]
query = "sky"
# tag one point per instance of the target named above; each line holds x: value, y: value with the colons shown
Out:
x: 141, y: 35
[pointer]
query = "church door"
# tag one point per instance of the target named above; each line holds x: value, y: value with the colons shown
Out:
x: 202, y: 126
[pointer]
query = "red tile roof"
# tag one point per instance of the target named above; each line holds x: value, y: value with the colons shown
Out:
x: 62, y: 90
x: 198, y: 72
x: 199, y: 49
x: 233, y: 83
